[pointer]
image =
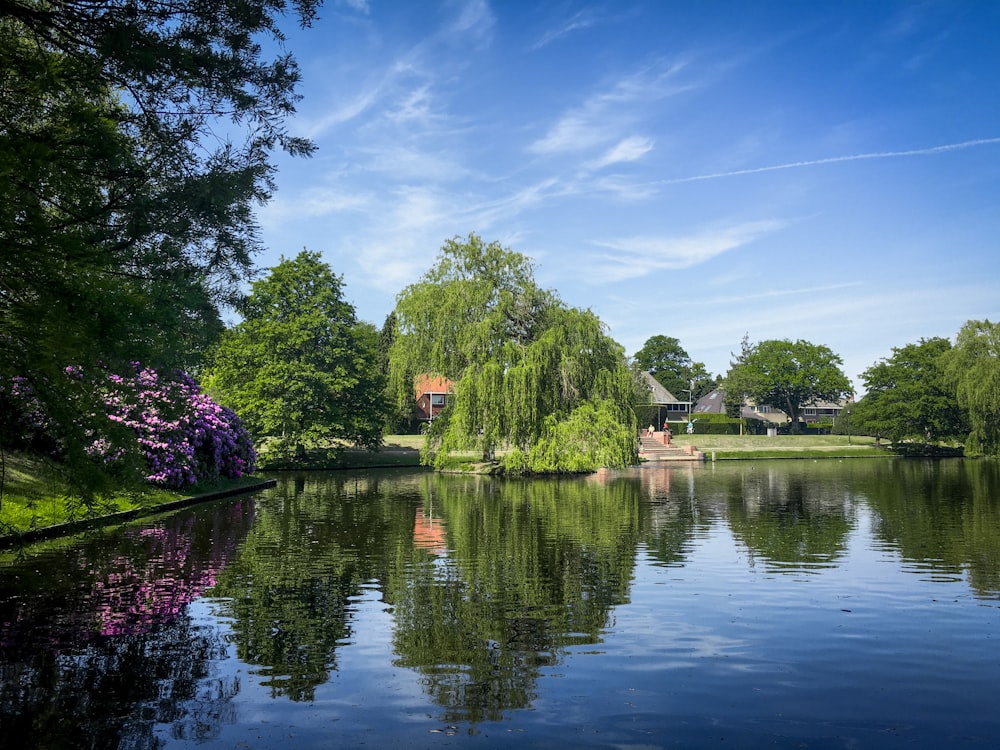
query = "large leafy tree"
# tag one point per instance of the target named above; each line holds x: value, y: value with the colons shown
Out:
x: 522, y: 361
x: 908, y: 397
x: 973, y: 369
x: 135, y: 139
x: 300, y: 369
x: 789, y: 375
x: 671, y: 365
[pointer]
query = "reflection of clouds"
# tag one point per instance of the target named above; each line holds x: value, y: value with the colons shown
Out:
x: 655, y: 645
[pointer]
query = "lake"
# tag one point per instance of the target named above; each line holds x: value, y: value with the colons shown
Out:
x: 744, y: 604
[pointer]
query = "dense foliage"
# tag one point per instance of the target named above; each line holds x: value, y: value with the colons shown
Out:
x: 184, y: 436
x: 671, y: 365
x: 155, y: 427
x: 788, y: 375
x: 973, y: 369
x: 522, y: 362
x: 135, y: 140
x: 908, y: 397
x: 300, y: 368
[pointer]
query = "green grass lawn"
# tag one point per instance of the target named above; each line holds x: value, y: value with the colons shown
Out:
x: 783, y: 446
x: 777, y: 443
x: 35, y: 496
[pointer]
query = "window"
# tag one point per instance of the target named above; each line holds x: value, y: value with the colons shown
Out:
x: 437, y: 399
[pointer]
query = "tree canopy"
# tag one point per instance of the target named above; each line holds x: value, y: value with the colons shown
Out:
x: 788, y: 375
x: 521, y: 360
x: 671, y: 365
x: 300, y: 369
x: 135, y: 139
x: 908, y: 396
x: 973, y: 369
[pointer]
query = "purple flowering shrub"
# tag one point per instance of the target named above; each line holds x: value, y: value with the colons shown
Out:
x: 183, y: 435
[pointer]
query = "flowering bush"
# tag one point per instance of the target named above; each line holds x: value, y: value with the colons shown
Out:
x: 184, y: 436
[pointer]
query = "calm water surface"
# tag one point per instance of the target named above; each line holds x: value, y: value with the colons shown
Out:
x: 798, y: 604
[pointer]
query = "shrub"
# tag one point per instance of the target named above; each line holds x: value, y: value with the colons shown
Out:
x: 176, y: 434
x: 184, y: 436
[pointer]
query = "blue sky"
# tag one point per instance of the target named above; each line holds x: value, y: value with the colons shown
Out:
x: 828, y: 171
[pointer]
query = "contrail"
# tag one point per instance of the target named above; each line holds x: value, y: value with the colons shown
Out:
x: 835, y: 159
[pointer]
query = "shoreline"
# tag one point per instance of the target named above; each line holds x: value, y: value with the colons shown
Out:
x: 73, y: 527
x: 411, y: 461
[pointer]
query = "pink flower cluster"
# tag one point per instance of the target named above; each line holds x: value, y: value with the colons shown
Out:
x: 184, y: 436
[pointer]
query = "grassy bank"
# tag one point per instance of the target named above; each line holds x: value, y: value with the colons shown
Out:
x: 783, y: 446
x: 35, y: 496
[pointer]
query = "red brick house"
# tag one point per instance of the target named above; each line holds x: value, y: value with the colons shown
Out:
x: 432, y: 392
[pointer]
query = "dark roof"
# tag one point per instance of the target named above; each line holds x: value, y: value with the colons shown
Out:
x: 658, y: 394
x: 712, y: 402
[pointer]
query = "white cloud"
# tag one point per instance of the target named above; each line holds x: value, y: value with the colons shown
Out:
x: 473, y: 23
x: 602, y: 118
x: 629, y: 149
x: 311, y: 203
x: 361, y: 6
x: 642, y: 255
x: 581, y: 20
x: 573, y: 132
x: 360, y: 103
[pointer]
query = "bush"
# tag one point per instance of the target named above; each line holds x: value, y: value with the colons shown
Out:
x: 176, y: 434
x: 710, y: 424
x: 184, y: 436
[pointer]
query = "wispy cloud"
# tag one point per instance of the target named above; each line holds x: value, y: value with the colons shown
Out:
x: 580, y: 20
x: 361, y: 6
x: 311, y: 203
x: 642, y: 255
x: 474, y: 22
x: 629, y: 149
x: 602, y: 117
x: 352, y: 108
x: 835, y: 159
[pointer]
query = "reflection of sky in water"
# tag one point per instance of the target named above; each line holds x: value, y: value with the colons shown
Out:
x: 712, y: 643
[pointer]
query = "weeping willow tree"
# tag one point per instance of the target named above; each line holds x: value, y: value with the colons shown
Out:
x: 973, y: 368
x: 533, y: 376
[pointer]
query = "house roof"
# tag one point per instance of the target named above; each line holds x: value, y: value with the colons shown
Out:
x: 432, y: 384
x: 712, y: 402
x: 658, y: 394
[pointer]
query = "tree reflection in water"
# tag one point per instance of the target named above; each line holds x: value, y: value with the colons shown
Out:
x: 486, y: 585
x: 535, y: 566
x: 96, y: 643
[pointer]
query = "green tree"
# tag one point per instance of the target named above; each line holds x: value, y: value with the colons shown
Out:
x: 973, y: 369
x: 671, y: 365
x: 135, y: 139
x: 738, y: 383
x: 908, y: 397
x: 300, y: 369
x: 789, y: 375
x: 521, y: 360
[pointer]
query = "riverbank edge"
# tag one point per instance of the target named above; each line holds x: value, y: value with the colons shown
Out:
x: 74, y: 527
x: 472, y: 468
